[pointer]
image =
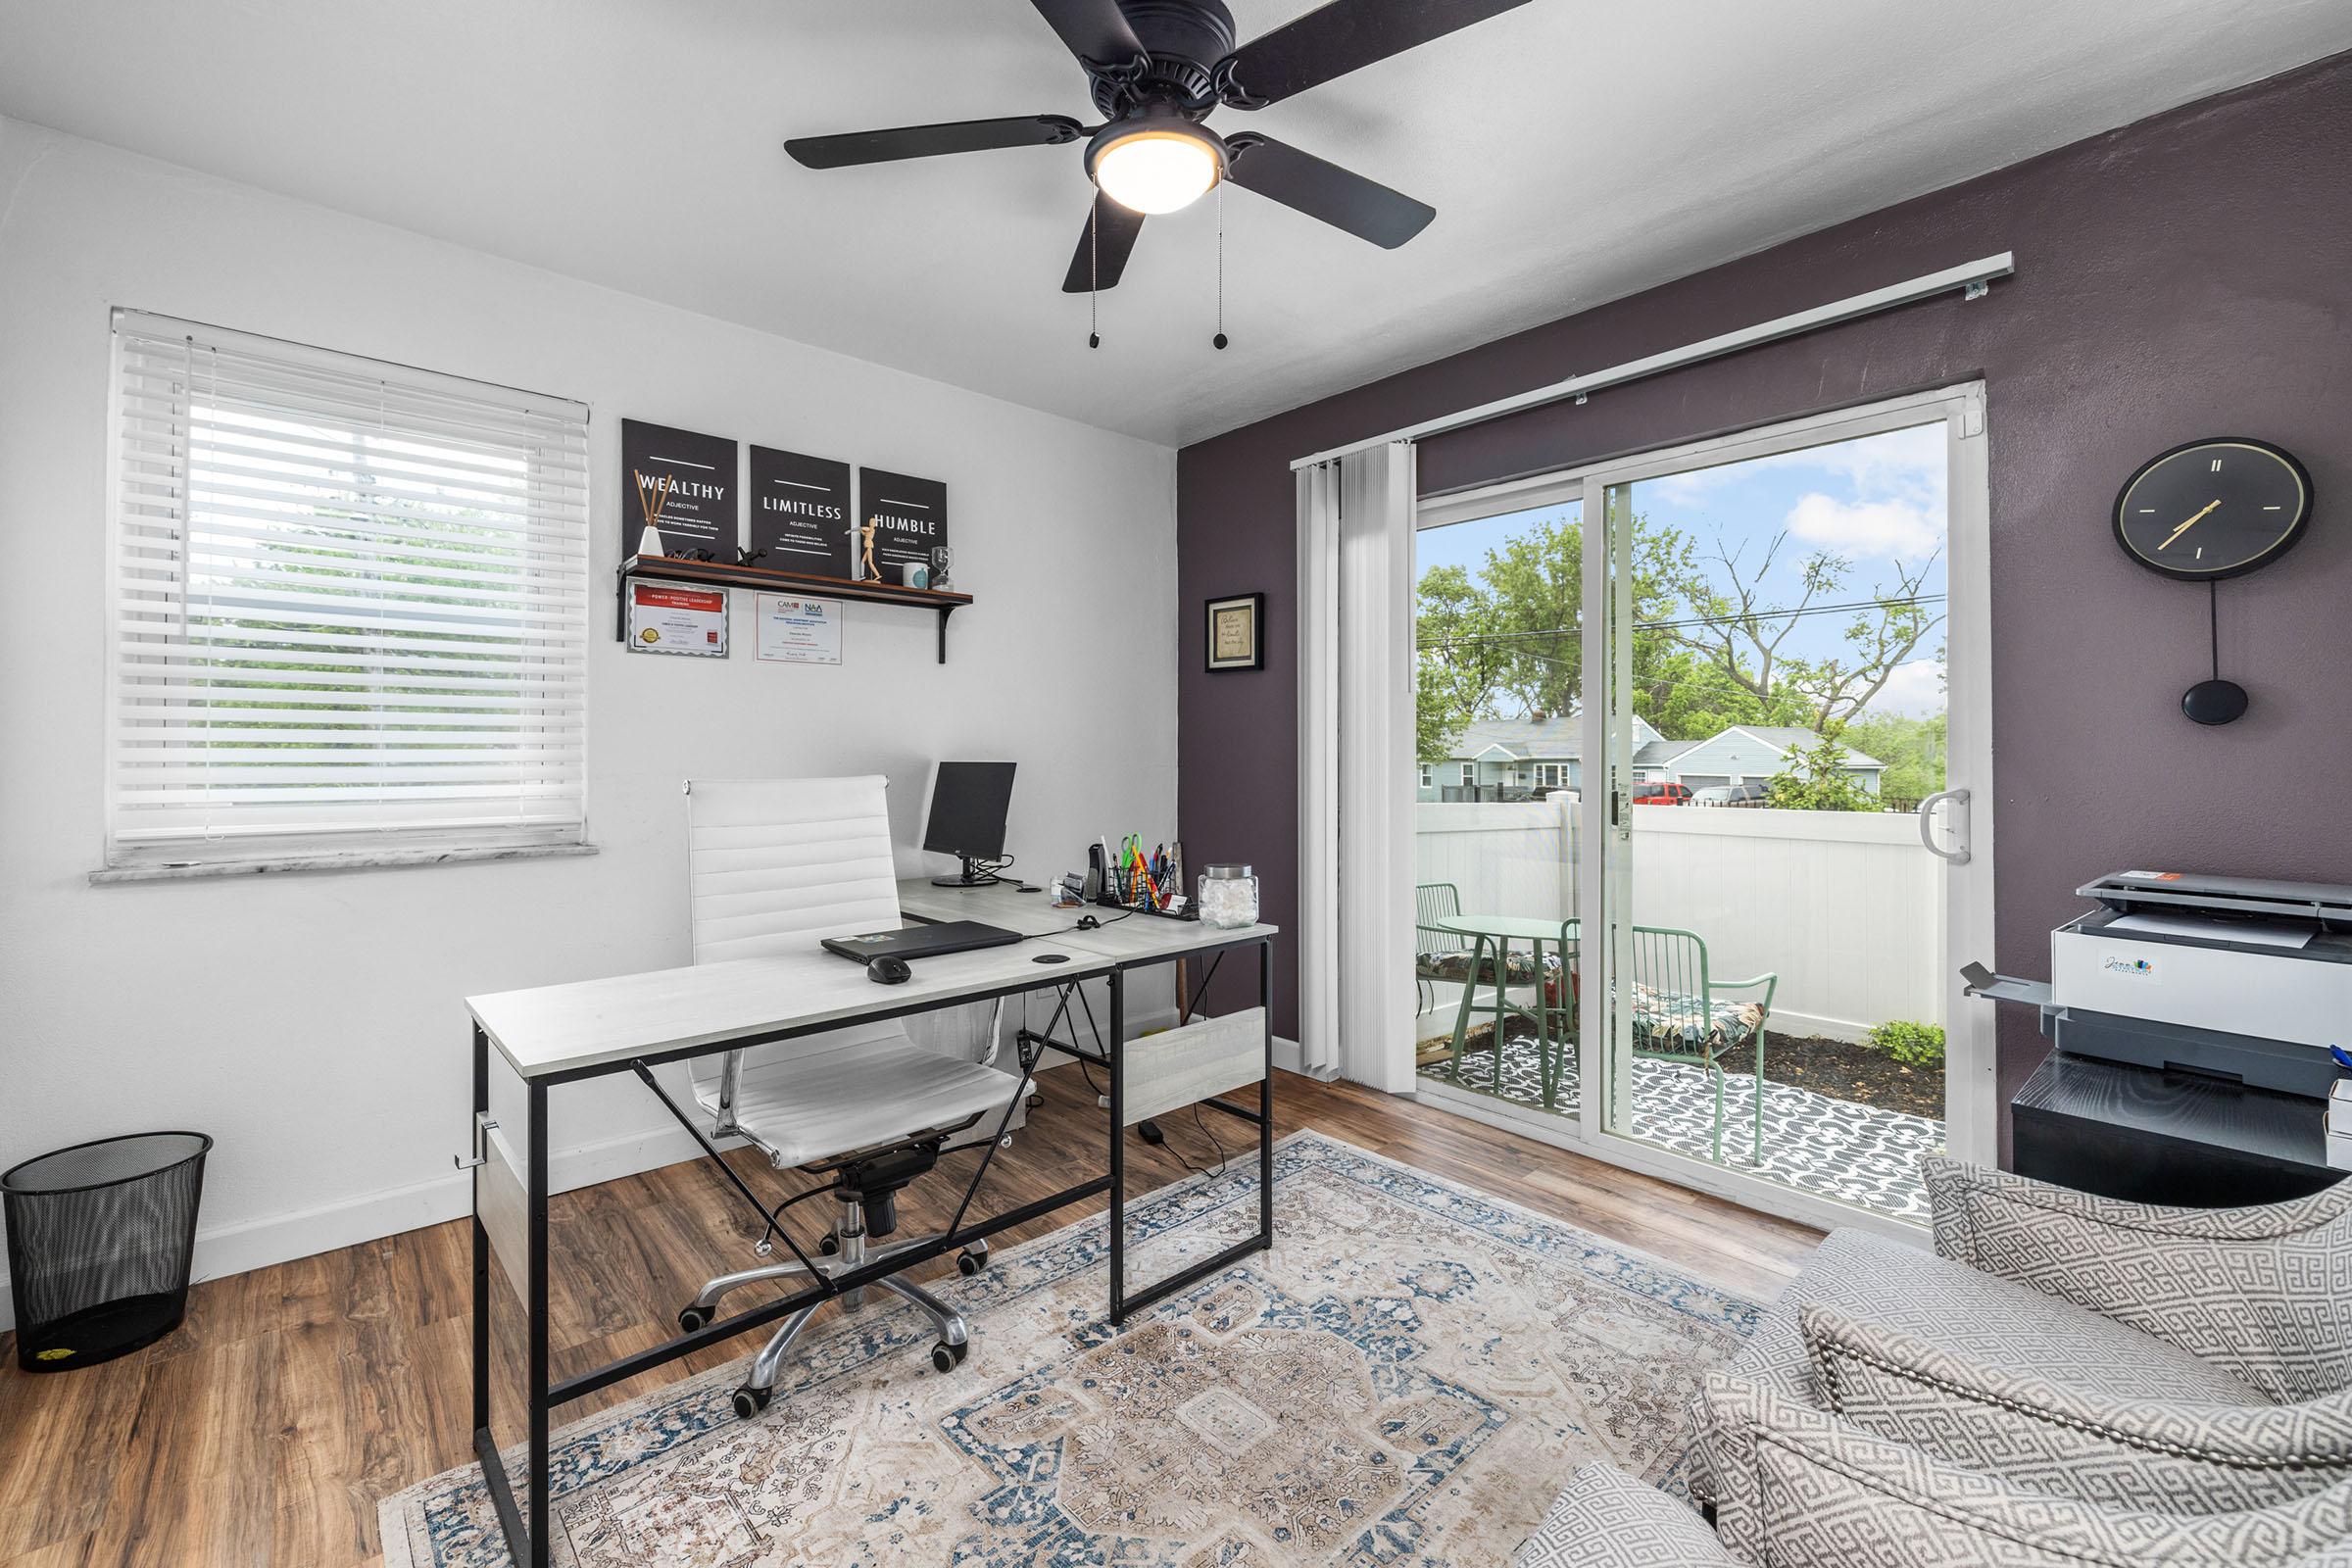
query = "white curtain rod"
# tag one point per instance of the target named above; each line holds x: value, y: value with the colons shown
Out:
x: 1972, y: 278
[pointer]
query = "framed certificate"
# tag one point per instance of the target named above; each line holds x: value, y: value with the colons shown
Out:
x: 796, y: 631
x: 666, y: 618
x: 1236, y: 637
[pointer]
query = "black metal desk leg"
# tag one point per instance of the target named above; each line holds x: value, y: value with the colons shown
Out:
x: 1116, y: 1046
x: 537, y: 1308
x: 481, y: 1238
x: 1265, y: 1097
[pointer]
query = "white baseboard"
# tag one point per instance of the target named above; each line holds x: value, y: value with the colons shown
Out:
x: 252, y: 1243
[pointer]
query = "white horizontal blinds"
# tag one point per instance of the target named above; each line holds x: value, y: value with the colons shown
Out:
x: 350, y: 604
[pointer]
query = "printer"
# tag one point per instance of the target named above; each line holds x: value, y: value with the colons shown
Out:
x: 2235, y: 977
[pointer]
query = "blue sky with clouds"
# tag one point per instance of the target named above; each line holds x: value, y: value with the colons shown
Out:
x: 1875, y: 501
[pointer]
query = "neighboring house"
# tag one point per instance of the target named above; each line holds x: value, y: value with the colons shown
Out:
x: 1750, y: 753
x: 1517, y: 758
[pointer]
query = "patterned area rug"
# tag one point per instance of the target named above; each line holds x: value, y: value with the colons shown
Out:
x: 1854, y: 1154
x: 1408, y: 1377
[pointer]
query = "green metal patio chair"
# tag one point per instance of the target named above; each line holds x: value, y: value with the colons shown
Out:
x: 1432, y: 942
x: 1680, y: 1014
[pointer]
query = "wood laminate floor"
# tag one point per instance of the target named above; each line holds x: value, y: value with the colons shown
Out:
x: 264, y: 1430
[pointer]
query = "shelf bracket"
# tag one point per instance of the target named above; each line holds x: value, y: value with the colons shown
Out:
x: 944, y: 612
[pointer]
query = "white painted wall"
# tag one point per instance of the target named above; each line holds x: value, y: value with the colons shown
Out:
x: 313, y: 1023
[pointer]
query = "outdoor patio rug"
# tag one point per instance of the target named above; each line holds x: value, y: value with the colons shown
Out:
x: 1410, y: 1376
x: 1835, y: 1148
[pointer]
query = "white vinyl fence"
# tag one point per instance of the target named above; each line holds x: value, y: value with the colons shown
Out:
x: 1845, y: 906
x: 1506, y: 859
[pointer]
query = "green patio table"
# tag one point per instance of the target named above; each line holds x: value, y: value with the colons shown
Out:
x: 1500, y: 931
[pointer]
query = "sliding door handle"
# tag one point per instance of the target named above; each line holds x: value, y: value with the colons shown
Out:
x: 1958, y: 855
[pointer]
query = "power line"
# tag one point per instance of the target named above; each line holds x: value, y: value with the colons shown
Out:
x: 1921, y: 600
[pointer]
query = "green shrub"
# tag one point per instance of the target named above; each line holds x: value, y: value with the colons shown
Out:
x: 1914, y: 1044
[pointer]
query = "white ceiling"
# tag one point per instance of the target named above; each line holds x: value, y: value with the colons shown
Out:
x: 1575, y: 151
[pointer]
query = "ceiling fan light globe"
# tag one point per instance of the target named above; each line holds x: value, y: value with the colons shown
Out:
x: 1157, y: 168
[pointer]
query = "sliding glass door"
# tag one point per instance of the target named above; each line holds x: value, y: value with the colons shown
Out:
x: 1773, y: 852
x: 1499, y: 691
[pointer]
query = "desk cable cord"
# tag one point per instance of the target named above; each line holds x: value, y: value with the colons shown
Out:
x: 1223, y: 1159
x: 1059, y: 931
x: 775, y: 1218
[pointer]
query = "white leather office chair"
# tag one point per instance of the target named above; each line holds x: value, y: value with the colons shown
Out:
x: 774, y: 866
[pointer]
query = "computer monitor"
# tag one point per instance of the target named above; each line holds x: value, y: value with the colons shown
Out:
x: 968, y: 803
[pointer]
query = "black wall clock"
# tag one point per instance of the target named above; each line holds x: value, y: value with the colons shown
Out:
x: 2209, y: 510
x: 2212, y: 509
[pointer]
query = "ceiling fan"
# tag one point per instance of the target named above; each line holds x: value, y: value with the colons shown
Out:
x: 1158, y: 69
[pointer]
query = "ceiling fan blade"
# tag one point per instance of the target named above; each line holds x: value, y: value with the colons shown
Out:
x: 1338, y: 37
x: 929, y: 141
x: 1094, y: 29
x: 1103, y: 247
x: 1362, y: 207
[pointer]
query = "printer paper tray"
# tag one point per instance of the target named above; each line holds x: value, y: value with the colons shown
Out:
x: 1983, y: 982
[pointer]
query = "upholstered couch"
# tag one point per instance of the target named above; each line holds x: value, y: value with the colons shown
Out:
x: 2069, y: 1380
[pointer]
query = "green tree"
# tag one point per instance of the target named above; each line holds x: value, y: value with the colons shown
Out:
x: 1459, y: 661
x: 1815, y: 779
x: 1506, y: 643
x: 1728, y: 621
x: 1913, y: 749
x: 1710, y: 647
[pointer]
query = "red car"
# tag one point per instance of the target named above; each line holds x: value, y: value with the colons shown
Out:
x: 1661, y: 793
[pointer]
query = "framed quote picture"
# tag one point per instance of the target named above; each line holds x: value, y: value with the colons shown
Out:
x: 1237, y: 634
x: 684, y: 487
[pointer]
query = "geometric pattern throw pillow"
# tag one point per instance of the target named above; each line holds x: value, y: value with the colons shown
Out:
x: 2264, y: 1292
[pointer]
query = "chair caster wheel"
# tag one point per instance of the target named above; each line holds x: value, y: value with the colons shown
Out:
x: 750, y: 1402
x: 946, y: 1357
x: 829, y: 1246
x: 971, y: 1261
x: 693, y: 1317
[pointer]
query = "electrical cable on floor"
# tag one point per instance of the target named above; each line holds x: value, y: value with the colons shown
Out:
x: 1223, y: 1159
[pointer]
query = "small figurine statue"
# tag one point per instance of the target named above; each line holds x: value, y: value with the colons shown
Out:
x: 868, y: 570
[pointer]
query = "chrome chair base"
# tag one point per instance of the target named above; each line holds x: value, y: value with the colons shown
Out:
x: 851, y: 1252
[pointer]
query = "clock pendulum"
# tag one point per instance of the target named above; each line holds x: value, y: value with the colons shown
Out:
x: 2215, y: 700
x: 2212, y: 509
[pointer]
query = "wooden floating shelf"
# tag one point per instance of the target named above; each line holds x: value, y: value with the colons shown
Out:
x: 717, y: 574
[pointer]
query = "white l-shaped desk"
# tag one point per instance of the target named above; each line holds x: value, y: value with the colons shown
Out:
x: 555, y: 1034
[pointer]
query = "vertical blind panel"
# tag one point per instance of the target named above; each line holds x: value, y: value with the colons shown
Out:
x: 351, y: 602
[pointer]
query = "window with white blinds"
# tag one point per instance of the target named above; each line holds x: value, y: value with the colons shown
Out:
x: 350, y: 606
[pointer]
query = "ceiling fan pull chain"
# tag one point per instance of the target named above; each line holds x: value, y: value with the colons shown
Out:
x: 1094, y: 271
x: 1219, y: 340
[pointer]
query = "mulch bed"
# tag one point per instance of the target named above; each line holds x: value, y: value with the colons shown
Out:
x: 1847, y: 1069
x: 1839, y: 1069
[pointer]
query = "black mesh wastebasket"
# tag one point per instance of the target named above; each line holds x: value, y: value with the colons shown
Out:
x: 100, y: 1239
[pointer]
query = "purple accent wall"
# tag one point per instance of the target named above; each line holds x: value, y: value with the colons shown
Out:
x: 2185, y: 276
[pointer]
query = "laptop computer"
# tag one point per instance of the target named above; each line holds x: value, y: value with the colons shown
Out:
x: 921, y: 941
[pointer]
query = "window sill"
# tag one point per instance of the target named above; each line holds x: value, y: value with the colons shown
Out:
x: 351, y: 860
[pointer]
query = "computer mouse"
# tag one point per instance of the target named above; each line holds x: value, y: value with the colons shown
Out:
x: 889, y: 971
x: 1087, y: 922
